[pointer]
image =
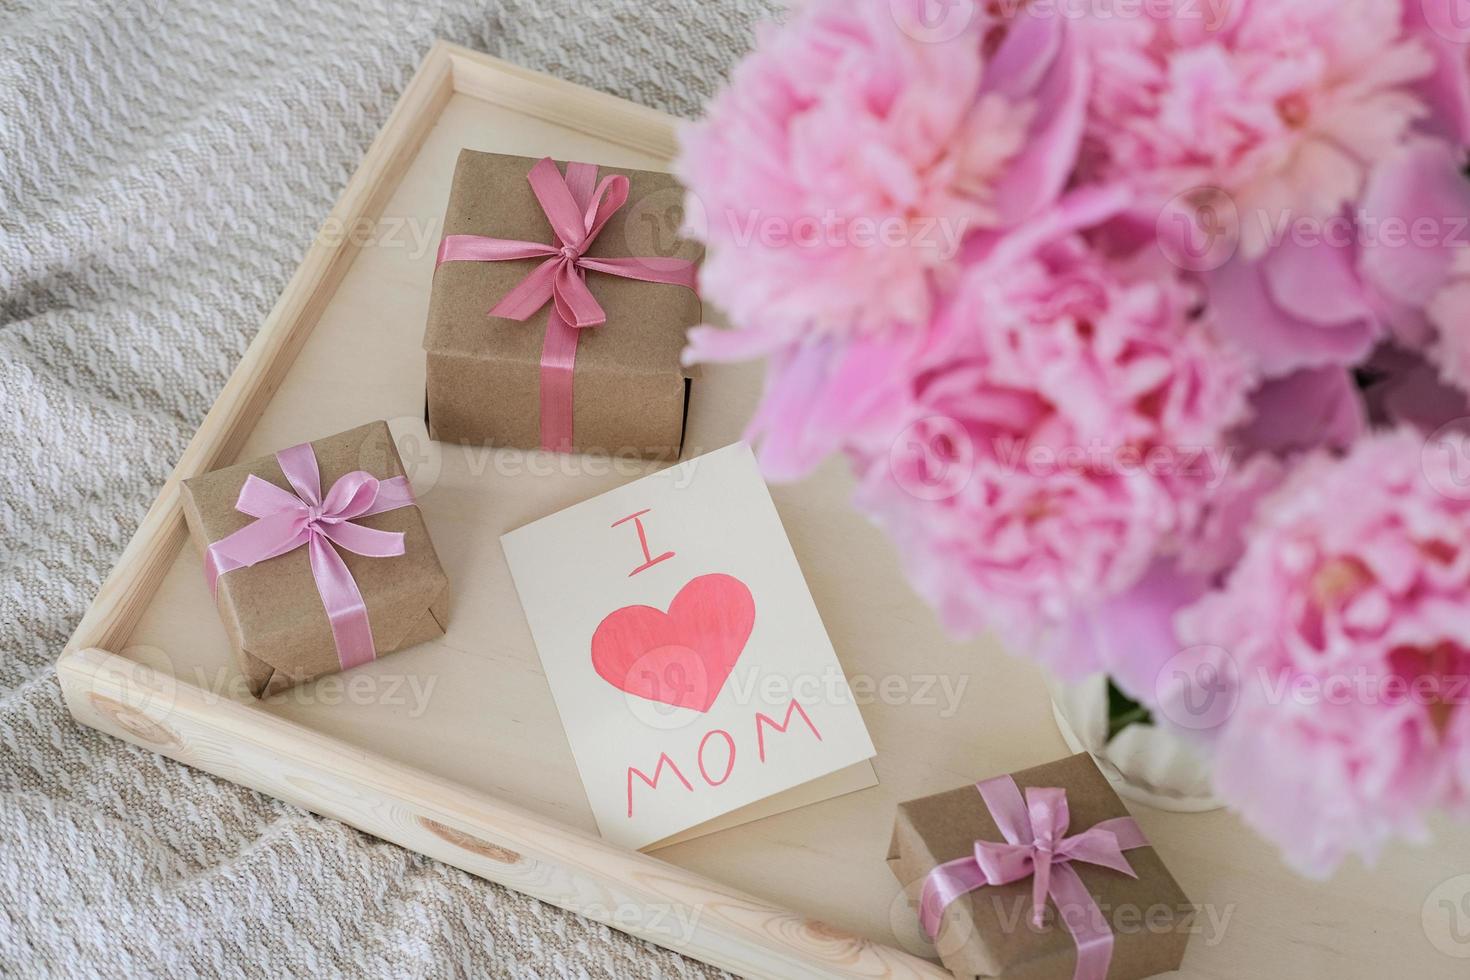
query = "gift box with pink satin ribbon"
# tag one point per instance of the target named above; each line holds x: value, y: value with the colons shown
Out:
x: 318, y: 558
x: 561, y: 297
x: 1040, y: 875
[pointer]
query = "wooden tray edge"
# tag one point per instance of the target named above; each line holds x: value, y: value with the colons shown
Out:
x: 631, y: 892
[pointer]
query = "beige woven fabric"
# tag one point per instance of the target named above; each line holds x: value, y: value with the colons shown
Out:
x: 162, y: 167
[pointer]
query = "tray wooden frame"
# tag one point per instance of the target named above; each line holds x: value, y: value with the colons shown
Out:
x: 472, y: 831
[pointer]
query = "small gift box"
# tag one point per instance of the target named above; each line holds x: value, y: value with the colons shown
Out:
x: 559, y: 309
x: 1040, y: 875
x: 318, y: 557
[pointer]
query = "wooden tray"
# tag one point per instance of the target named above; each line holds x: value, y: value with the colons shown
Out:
x: 475, y: 770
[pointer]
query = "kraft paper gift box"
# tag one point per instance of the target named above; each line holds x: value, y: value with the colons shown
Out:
x: 988, y: 930
x: 276, y: 610
x: 493, y: 380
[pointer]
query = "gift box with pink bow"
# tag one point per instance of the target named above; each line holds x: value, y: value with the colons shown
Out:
x: 1040, y: 875
x: 560, y: 302
x: 318, y: 558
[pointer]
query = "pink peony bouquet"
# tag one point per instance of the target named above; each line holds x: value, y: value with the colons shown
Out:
x: 1145, y: 329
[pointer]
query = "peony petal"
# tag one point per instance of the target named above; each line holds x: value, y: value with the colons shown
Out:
x: 1450, y: 313
x: 1036, y: 175
x: 1308, y: 409
x: 1443, y: 25
x: 1131, y: 636
x: 1279, y: 342
x: 1316, y: 282
x: 1407, y: 390
x: 1418, y: 204
x: 1027, y: 53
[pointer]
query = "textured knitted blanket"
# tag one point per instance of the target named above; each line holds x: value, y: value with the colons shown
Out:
x: 163, y: 167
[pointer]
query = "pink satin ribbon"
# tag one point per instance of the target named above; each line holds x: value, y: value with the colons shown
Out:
x: 1037, y: 847
x: 286, y: 521
x: 577, y: 207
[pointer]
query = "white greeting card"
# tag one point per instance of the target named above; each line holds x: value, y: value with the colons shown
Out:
x: 691, y: 670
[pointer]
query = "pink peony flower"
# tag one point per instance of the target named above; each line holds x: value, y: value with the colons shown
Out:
x: 1327, y: 294
x: 854, y: 394
x: 1346, y: 624
x: 1283, y: 107
x: 1067, y: 424
x: 1131, y: 635
x: 1277, y: 139
x: 850, y: 156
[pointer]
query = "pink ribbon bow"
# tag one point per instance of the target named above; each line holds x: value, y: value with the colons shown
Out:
x: 577, y: 208
x: 1037, y: 847
x: 286, y: 521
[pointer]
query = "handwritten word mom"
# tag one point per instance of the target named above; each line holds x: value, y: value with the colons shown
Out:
x: 715, y: 758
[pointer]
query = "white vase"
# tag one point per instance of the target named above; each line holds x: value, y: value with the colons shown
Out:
x: 1145, y: 764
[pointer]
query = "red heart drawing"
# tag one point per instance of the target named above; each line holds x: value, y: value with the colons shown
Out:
x: 681, y: 657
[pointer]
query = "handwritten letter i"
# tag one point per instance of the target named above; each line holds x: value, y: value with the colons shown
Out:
x: 648, y: 559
